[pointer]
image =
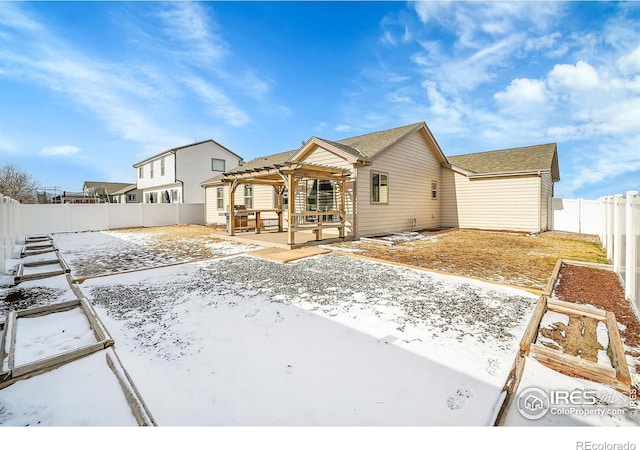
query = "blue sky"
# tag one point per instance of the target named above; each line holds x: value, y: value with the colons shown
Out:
x: 87, y: 89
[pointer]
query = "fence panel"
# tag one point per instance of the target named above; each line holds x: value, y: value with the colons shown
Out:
x: 576, y: 215
x: 634, y: 255
x: 9, y: 228
x: 620, y: 236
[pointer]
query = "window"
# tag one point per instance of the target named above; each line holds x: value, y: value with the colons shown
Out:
x: 141, y: 172
x: 151, y: 170
x: 220, y: 198
x: 248, y: 196
x: 131, y: 197
x: 217, y: 165
x: 162, y: 167
x: 174, y: 196
x: 434, y: 190
x: 379, y: 188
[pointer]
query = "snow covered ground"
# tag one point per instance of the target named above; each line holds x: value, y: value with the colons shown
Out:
x: 328, y: 340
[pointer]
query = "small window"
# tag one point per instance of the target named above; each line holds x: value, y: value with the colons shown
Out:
x: 217, y: 165
x: 220, y: 198
x: 162, y: 167
x: 151, y: 170
x: 141, y: 172
x: 434, y: 190
x: 379, y: 188
x: 248, y: 196
x: 174, y: 196
x: 131, y: 197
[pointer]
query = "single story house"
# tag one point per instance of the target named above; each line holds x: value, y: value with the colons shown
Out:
x: 174, y: 175
x: 385, y: 182
x: 93, y: 192
x: 128, y: 194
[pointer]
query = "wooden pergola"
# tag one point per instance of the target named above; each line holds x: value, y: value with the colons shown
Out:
x: 289, y: 175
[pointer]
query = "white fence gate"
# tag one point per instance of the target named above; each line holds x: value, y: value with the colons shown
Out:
x: 620, y: 236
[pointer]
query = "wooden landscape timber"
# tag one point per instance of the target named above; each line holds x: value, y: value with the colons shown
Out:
x: 14, y: 373
x: 137, y: 405
x: 617, y: 376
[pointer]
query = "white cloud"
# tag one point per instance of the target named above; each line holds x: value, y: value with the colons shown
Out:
x: 190, y: 24
x: 523, y: 91
x: 59, y: 150
x: 629, y: 64
x: 6, y: 146
x: 219, y: 104
x: 581, y: 76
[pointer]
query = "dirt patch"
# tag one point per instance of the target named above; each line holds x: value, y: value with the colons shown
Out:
x: 578, y: 338
x: 602, y: 288
x: 178, y: 242
x: 17, y: 298
x: 122, y: 250
x: 511, y: 258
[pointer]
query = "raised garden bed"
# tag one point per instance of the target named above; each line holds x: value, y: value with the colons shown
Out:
x: 38, y: 339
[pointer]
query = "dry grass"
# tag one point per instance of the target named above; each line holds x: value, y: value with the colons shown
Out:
x: 515, y: 259
x: 510, y: 258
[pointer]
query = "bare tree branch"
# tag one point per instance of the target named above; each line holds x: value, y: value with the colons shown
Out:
x: 17, y: 184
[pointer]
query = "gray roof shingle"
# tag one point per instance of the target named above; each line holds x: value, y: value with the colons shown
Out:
x: 371, y: 144
x: 520, y: 159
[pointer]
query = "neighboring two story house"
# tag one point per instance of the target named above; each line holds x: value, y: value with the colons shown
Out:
x: 174, y: 176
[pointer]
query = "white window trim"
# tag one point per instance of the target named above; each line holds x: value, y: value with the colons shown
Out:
x: 219, y: 198
x: 378, y: 202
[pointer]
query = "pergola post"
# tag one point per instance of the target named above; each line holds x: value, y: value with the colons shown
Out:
x: 280, y: 192
x: 232, y: 204
x: 291, y: 234
x: 343, y: 211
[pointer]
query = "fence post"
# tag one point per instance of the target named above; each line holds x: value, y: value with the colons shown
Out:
x: 3, y: 233
x: 631, y: 248
x: 603, y: 220
x: 617, y: 232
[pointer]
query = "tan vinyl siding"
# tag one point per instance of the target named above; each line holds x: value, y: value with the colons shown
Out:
x: 326, y: 158
x: 214, y: 216
x: 501, y: 203
x: 411, y: 167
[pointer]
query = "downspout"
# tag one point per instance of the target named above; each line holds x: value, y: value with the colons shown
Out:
x: 539, y: 202
x: 175, y: 175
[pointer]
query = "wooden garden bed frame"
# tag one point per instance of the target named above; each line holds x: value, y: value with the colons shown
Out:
x: 618, y: 376
x: 10, y: 373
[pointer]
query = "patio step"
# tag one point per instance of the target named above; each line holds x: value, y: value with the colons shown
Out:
x: 285, y: 256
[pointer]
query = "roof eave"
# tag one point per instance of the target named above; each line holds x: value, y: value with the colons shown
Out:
x: 314, y: 142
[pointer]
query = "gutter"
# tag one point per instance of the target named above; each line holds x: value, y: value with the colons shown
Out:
x: 511, y: 173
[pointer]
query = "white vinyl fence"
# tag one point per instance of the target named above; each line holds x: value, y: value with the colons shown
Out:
x: 10, y: 228
x: 576, y: 215
x: 39, y: 219
x: 620, y: 236
x: 18, y: 220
